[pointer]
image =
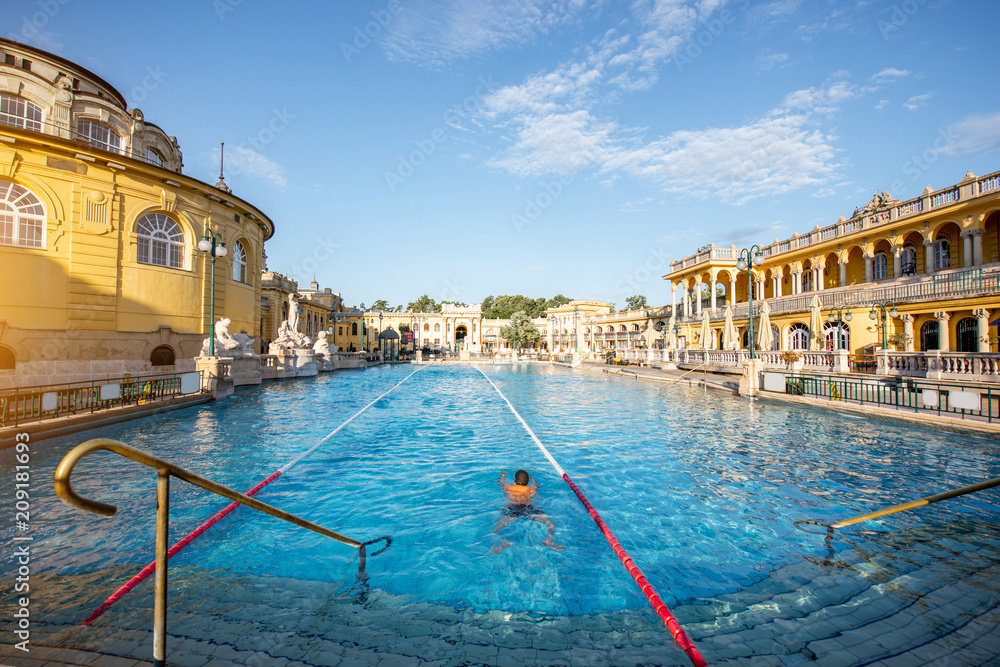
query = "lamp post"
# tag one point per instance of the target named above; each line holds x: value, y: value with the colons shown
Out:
x: 211, y: 242
x: 380, y: 347
x: 750, y: 257
x: 885, y: 307
x: 840, y: 318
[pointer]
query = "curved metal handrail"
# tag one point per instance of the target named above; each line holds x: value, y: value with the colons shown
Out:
x: 163, y: 472
x: 65, y: 491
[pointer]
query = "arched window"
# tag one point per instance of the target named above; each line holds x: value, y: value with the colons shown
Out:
x: 427, y: 327
x: 621, y: 328
x: 239, y: 262
x: 7, y: 359
x: 99, y: 136
x: 437, y: 327
x: 354, y: 328
x: 659, y: 326
x: 600, y: 330
x: 22, y: 217
x: 798, y: 337
x: 19, y: 112
x: 635, y: 327
x: 929, y: 335
x: 880, y: 266
x: 968, y: 335
x: 162, y: 356
x: 807, y: 279
x: 830, y: 336
x: 942, y: 253
x: 908, y: 259
x: 154, y: 158
x: 161, y: 241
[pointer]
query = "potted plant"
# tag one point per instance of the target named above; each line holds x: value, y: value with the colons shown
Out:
x: 793, y: 360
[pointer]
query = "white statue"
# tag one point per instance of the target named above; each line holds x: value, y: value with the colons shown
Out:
x: 227, y: 345
x: 288, y: 335
x: 322, y: 346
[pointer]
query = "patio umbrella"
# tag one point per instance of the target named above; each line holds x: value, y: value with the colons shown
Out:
x: 815, y: 325
x: 706, y: 331
x: 765, y: 338
x: 672, y: 338
x: 730, y: 337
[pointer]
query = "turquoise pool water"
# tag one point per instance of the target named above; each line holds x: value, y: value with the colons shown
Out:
x: 700, y: 488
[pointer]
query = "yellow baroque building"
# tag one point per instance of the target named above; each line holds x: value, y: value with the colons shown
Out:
x: 99, y: 233
x: 928, y: 267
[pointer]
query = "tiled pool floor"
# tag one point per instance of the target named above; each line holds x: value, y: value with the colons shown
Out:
x: 851, y: 611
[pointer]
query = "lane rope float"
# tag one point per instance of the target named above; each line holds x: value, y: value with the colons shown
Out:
x: 223, y: 513
x: 647, y: 589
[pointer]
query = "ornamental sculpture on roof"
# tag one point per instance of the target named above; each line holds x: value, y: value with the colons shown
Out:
x: 880, y: 201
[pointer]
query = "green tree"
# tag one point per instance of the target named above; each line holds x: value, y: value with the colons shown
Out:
x: 424, y: 304
x: 404, y: 327
x: 520, y: 331
x: 555, y: 302
x: 381, y: 304
x: 460, y: 304
x: 636, y: 302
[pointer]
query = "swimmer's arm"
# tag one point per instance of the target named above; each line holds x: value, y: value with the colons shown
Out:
x: 503, y: 477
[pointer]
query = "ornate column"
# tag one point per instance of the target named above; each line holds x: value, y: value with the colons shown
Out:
x: 820, y: 277
x: 732, y: 289
x: 760, y: 288
x: 907, y: 331
x: 929, y: 255
x: 687, y: 303
x: 673, y: 299
x: 868, y: 268
x: 697, y: 294
x: 967, y: 247
x: 842, y: 263
x: 983, y: 328
x: 944, y: 342
x: 797, y: 281
x: 711, y: 286
x: 977, y: 246
x: 776, y: 286
x: 897, y: 262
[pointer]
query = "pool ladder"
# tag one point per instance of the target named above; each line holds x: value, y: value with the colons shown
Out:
x: 163, y: 472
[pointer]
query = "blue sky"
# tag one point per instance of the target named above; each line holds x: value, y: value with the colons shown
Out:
x: 461, y: 148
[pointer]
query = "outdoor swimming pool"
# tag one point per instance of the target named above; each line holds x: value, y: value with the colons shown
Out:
x: 701, y: 489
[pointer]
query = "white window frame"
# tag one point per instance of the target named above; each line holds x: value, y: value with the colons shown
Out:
x: 159, y: 235
x: 22, y: 217
x: 99, y: 135
x: 19, y: 112
x: 798, y: 333
x: 153, y: 158
x: 880, y: 265
x: 942, y: 253
x: 239, y: 262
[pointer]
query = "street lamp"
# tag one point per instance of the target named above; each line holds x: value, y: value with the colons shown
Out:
x: 750, y: 257
x: 840, y: 318
x: 892, y: 312
x: 576, y: 324
x: 380, y: 346
x: 212, y: 243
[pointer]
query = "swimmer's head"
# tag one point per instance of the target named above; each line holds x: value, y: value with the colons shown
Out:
x: 521, y: 478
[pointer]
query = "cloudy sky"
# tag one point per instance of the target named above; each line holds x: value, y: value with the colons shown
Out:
x: 463, y: 148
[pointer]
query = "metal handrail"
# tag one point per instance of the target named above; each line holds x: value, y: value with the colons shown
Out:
x: 163, y: 471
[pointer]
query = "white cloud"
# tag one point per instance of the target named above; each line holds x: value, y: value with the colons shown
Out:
x: 889, y: 74
x: 243, y: 160
x: 435, y: 33
x: 767, y: 60
x: 975, y: 134
x: 917, y: 101
x: 881, y: 104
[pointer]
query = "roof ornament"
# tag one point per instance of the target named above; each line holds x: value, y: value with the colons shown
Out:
x: 221, y: 185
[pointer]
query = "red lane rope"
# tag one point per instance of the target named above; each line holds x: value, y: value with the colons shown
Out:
x: 661, y: 608
x: 151, y: 568
x: 658, y: 605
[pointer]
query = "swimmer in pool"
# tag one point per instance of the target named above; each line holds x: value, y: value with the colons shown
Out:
x: 519, y: 497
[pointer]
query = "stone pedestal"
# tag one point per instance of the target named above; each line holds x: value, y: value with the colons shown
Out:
x: 245, y: 371
x: 750, y: 380
x: 464, y: 355
x: 295, y: 363
x: 215, y: 377
x: 420, y: 356
x: 841, y: 363
x: 324, y: 363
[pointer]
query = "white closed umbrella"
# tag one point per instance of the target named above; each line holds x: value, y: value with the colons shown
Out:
x: 815, y: 324
x: 730, y: 337
x: 706, y: 331
x: 765, y: 338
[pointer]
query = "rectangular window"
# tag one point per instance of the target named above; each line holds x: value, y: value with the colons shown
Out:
x: 8, y: 59
x: 99, y: 136
x: 25, y: 64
